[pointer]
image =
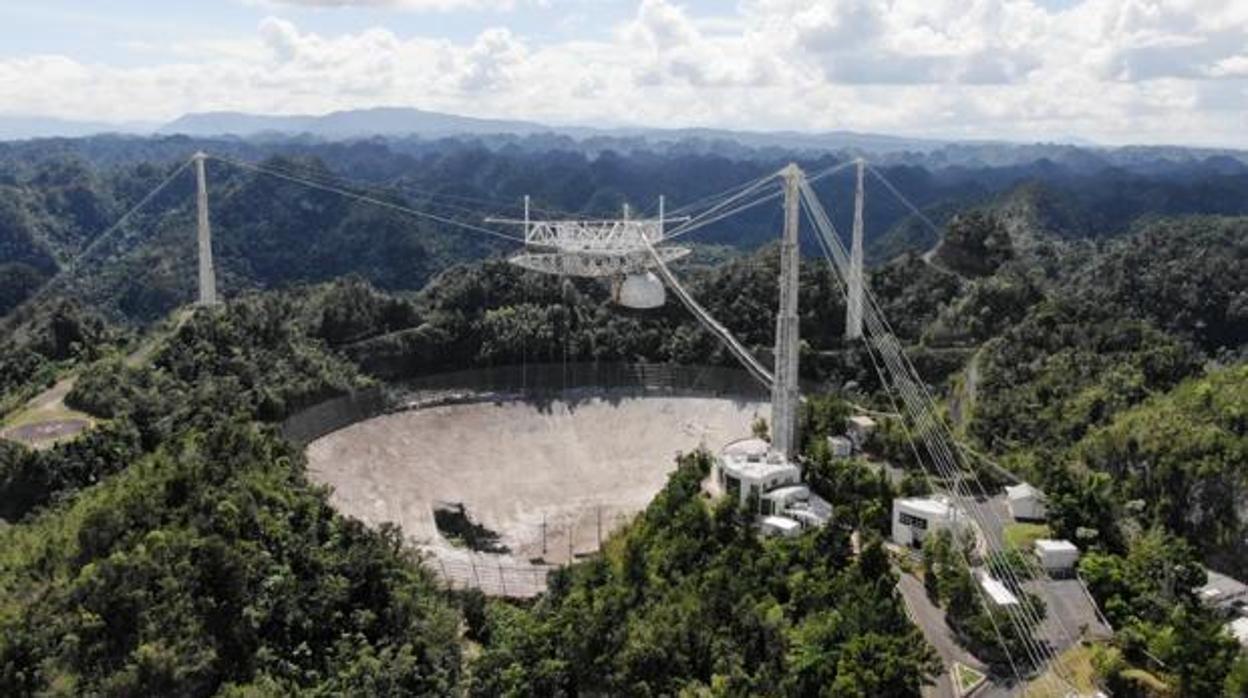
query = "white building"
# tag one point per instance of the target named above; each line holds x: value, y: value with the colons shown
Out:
x: 840, y: 446
x: 996, y: 591
x: 779, y: 526
x: 766, y: 484
x: 859, y: 428
x: 779, y: 499
x: 1222, y: 593
x: 747, y: 470
x: 1239, y: 628
x: 1026, y: 502
x: 915, y: 517
x: 1057, y: 557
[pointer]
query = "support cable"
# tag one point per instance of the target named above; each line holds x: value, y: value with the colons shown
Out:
x: 707, y: 217
x: 1033, y: 657
x: 97, y: 242
x: 872, y: 353
x: 914, y: 393
x: 368, y: 199
x: 756, y: 369
x: 904, y: 201
x: 922, y: 409
x: 379, y: 190
x: 712, y: 200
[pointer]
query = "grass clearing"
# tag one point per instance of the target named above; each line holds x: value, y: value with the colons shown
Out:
x: 1022, y: 536
x: 1074, y: 664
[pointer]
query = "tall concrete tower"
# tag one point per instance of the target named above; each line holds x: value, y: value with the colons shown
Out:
x: 784, y: 391
x: 207, y: 275
x: 853, y: 308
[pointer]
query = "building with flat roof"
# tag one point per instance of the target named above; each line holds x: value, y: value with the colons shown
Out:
x: 768, y: 485
x: 1239, y: 629
x: 779, y: 526
x: 1026, y: 503
x: 859, y: 428
x: 997, y: 592
x: 1057, y: 557
x: 915, y: 517
x: 748, y: 469
x: 1223, y: 593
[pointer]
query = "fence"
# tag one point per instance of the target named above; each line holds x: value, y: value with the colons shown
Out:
x: 545, y: 544
x: 540, y: 381
x: 554, y: 379
x: 311, y: 423
x: 490, y: 575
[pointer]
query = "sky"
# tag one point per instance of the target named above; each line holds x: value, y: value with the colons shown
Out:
x: 1107, y: 71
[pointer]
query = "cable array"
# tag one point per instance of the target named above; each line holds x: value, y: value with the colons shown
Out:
x: 755, y: 368
x: 366, y: 198
x: 919, y: 407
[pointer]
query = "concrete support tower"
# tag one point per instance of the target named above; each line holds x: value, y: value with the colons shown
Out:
x: 784, y: 392
x: 853, y: 307
x: 207, y: 275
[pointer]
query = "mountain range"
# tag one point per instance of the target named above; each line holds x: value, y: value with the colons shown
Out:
x: 403, y: 122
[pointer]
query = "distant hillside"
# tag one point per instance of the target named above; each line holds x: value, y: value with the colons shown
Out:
x: 401, y: 122
x: 357, y: 123
x: 1184, y: 453
x: 23, y: 127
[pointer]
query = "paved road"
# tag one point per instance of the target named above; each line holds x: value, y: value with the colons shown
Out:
x: 1069, y: 614
x: 931, y: 621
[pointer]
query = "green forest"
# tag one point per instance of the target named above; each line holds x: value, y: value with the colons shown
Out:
x: 178, y: 546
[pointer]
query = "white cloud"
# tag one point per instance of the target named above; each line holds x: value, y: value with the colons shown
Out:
x: 489, y: 63
x: 412, y: 5
x: 1112, y: 70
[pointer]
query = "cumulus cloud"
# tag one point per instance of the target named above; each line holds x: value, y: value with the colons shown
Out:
x: 488, y: 64
x: 1113, y: 70
x: 669, y: 46
x: 413, y: 5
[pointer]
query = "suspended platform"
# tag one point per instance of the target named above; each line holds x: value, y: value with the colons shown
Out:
x: 621, y: 250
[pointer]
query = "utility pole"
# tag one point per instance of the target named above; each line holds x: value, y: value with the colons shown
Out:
x: 853, y: 308
x: 784, y: 392
x: 207, y: 275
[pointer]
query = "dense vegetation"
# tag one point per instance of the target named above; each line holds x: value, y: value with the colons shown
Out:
x: 1121, y: 391
x: 1148, y: 596
x: 177, y: 547
x: 689, y: 600
x: 209, y: 567
x: 63, y: 335
x: 57, y: 195
x: 181, y: 550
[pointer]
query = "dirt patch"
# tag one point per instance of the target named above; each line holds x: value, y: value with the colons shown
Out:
x: 551, y: 479
x: 45, y: 434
